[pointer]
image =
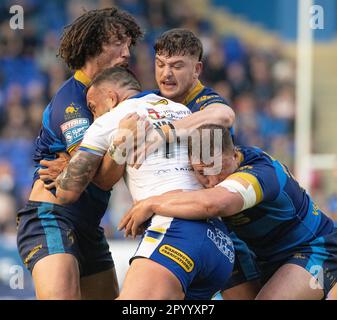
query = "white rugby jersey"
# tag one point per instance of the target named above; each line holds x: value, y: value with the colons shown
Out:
x: 157, y: 174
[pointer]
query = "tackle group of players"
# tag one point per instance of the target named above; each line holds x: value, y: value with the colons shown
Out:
x: 243, y: 227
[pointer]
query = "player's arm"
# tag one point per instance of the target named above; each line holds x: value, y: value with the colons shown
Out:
x: 110, y: 171
x: 215, y: 113
x: 76, y: 176
x: 228, y: 198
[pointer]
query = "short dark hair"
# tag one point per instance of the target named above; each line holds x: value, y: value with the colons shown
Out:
x: 195, y: 146
x: 179, y: 42
x: 84, y: 37
x: 120, y: 75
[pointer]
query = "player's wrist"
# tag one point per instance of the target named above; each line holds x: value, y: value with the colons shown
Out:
x: 116, y: 152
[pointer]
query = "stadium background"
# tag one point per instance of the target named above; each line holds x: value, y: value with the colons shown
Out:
x: 250, y: 58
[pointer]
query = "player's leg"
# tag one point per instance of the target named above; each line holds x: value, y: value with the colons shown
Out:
x: 332, y: 295
x: 309, y: 271
x: 57, y: 277
x: 98, y: 274
x: 291, y: 282
x: 49, y: 249
x: 148, y: 280
x: 215, y: 261
x: 244, y: 283
x: 100, y: 286
x: 243, y: 291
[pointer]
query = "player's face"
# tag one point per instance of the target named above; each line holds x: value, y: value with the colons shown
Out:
x: 99, y: 100
x: 176, y: 75
x: 114, y: 53
x: 211, y: 175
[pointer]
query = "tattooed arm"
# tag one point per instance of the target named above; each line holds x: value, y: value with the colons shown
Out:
x: 76, y: 176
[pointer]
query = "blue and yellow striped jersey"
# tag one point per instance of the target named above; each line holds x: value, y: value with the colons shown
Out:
x: 199, y: 98
x: 284, y: 215
x: 64, y: 122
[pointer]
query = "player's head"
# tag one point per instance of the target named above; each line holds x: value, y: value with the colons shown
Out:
x: 178, y: 63
x: 110, y: 87
x: 103, y: 37
x: 212, y: 154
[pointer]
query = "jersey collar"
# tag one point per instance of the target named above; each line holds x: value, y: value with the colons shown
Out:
x: 82, y: 77
x: 193, y: 93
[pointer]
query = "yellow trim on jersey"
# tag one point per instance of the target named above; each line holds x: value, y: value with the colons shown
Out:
x: 241, y: 157
x: 91, y: 148
x: 160, y: 230
x: 251, y: 180
x: 73, y: 147
x: 82, y: 77
x: 150, y: 239
x: 193, y: 93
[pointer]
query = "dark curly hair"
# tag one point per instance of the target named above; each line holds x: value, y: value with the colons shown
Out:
x: 179, y: 41
x: 84, y: 37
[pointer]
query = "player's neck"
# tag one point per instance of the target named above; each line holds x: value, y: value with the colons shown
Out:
x: 184, y: 99
x: 90, y: 70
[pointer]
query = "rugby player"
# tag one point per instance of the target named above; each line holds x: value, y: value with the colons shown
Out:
x: 178, y: 66
x: 176, y: 259
x: 63, y: 245
x: 257, y: 197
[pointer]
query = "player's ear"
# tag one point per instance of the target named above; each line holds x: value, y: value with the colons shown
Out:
x: 198, y: 69
x: 114, y: 99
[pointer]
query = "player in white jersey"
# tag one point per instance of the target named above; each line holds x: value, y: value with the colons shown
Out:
x: 176, y: 258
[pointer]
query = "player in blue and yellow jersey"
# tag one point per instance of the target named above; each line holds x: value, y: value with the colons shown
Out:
x: 63, y: 245
x: 178, y: 65
x: 258, y: 198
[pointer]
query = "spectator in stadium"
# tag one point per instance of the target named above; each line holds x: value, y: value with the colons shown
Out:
x: 257, y: 197
x: 63, y: 246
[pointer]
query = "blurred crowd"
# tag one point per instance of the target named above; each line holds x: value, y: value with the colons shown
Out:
x: 258, y: 83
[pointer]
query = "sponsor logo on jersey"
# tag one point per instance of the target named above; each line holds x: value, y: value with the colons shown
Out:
x: 162, y: 101
x: 71, y: 236
x: 153, y: 114
x: 71, y: 112
x: 74, y: 123
x: 32, y: 253
x: 204, y: 98
x: 168, y: 114
x: 74, y: 130
x: 315, y: 210
x: 299, y: 256
x: 177, y: 256
x: 223, y: 243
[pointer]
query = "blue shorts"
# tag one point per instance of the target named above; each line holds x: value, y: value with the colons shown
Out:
x: 45, y: 229
x: 318, y: 257
x: 199, y: 253
x: 245, y: 266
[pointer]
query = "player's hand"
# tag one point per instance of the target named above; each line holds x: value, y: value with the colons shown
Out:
x: 153, y: 141
x: 53, y: 168
x: 131, y: 126
x: 134, y: 219
x: 131, y: 134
